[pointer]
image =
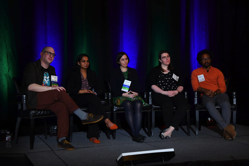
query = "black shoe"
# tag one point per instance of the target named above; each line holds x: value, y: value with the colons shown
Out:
x: 164, y: 137
x: 65, y: 144
x: 91, y: 118
x: 138, y: 139
x: 142, y: 137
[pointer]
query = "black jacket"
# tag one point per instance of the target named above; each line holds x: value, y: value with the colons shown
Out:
x: 154, y: 75
x: 74, y: 82
x: 34, y: 73
x: 117, y: 80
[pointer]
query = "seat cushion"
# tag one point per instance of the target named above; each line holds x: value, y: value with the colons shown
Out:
x: 121, y: 109
x: 201, y: 107
x: 33, y: 113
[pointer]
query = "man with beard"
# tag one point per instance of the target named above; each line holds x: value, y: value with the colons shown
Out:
x: 38, y: 78
x: 210, y: 82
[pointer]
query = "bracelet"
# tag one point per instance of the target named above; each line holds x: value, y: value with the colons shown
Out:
x: 178, y: 91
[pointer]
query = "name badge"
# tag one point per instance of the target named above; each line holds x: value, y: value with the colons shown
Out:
x: 54, y: 80
x: 126, y: 85
x: 201, y: 78
x: 175, y: 77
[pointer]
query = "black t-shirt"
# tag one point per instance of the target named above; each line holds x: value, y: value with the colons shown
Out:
x: 167, y: 81
x: 46, y: 78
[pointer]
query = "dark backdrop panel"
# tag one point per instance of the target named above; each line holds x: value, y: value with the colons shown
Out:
x: 102, y: 28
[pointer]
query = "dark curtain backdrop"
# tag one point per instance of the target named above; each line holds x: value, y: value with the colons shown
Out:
x: 141, y: 28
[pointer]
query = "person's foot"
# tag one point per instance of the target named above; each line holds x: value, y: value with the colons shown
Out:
x: 226, y: 136
x: 142, y: 137
x: 166, y: 134
x: 65, y: 144
x: 91, y: 118
x: 138, y: 139
x: 110, y: 125
x: 230, y: 131
x: 95, y: 140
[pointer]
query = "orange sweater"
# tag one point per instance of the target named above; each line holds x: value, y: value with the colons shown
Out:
x: 214, y: 79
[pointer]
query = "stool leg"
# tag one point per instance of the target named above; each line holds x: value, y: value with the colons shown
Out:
x: 197, y: 122
x: 115, y: 121
x: 32, y: 132
x: 17, y: 128
x: 70, y: 134
x: 149, y: 124
x: 234, y: 118
x: 188, y: 123
x: 108, y: 130
x: 153, y: 122
x: 45, y: 128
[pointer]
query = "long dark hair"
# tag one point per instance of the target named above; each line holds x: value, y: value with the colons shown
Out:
x: 120, y: 54
x: 170, y: 67
x: 79, y: 59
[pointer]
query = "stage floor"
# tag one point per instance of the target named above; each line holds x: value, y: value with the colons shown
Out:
x: 208, y: 145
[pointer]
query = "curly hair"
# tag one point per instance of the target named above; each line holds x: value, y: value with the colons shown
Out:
x: 206, y: 51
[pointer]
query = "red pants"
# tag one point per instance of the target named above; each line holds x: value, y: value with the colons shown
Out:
x: 61, y: 104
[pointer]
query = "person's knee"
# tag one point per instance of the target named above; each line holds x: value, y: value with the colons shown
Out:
x: 138, y: 103
x: 209, y: 105
x: 127, y: 103
x: 226, y: 104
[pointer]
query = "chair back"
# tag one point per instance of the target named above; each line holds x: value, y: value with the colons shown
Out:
x: 18, y: 85
x: 108, y: 94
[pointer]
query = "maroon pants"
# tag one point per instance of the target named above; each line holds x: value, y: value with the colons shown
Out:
x: 61, y: 104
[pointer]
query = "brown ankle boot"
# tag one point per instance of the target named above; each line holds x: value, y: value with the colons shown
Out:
x: 230, y: 131
x: 226, y: 136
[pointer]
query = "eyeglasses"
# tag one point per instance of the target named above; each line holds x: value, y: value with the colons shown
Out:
x: 50, y: 53
x: 204, y: 59
x: 164, y: 57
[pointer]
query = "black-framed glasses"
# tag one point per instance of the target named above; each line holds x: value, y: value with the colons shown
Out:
x: 204, y: 59
x: 50, y: 53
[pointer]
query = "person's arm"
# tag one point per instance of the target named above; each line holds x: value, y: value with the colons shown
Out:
x: 39, y: 88
x: 156, y: 89
x: 206, y: 92
x: 115, y: 85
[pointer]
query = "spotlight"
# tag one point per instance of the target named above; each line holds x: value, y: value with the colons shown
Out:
x: 143, y: 157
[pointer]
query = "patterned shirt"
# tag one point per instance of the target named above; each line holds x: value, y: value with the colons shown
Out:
x: 46, y: 80
x: 166, y: 82
x: 84, y: 83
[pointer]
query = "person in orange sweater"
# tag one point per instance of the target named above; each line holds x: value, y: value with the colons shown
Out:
x: 210, y: 82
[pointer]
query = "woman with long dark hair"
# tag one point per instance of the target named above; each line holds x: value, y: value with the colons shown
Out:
x: 82, y: 85
x: 167, y: 85
x: 127, y: 95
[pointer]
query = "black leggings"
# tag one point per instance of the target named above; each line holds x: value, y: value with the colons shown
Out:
x: 94, y: 105
x: 167, y: 103
x: 133, y: 115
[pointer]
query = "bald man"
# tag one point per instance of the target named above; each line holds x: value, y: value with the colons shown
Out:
x: 41, y: 94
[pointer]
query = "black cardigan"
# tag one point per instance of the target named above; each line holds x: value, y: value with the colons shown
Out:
x: 117, y: 79
x: 34, y: 73
x: 74, y: 82
x: 154, y: 75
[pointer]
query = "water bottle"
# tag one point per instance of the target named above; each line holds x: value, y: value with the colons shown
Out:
x: 8, y: 140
